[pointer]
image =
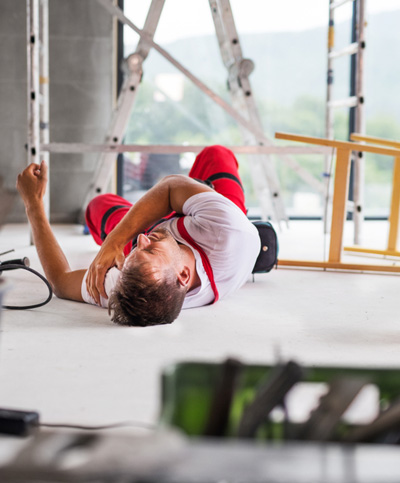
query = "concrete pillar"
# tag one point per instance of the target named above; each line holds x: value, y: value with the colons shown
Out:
x: 81, y: 77
x: 12, y: 94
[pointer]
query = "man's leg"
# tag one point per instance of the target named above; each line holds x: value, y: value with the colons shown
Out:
x: 218, y: 165
x: 102, y: 215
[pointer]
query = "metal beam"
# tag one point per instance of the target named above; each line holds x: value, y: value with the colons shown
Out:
x: 176, y: 149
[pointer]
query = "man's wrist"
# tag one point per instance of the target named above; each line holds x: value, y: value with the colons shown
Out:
x: 34, y: 207
x: 117, y: 238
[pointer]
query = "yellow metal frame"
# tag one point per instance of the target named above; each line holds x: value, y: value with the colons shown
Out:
x: 340, y: 190
x: 391, y: 249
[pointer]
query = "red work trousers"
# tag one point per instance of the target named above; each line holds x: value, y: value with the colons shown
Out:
x: 215, y: 164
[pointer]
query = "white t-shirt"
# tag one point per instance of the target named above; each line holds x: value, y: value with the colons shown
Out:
x: 230, y: 241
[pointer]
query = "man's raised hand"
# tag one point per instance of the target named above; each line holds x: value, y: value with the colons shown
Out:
x: 32, y: 183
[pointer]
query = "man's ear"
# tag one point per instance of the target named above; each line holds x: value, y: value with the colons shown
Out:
x: 184, y: 276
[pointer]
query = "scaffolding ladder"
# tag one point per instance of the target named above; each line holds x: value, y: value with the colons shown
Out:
x: 355, y: 101
x: 37, y: 27
x: 133, y: 72
x: 265, y: 179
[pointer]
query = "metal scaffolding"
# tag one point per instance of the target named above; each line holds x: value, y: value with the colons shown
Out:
x: 355, y: 101
x: 38, y: 83
x: 256, y: 143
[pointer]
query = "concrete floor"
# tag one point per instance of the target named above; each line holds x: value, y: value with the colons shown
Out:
x: 70, y: 363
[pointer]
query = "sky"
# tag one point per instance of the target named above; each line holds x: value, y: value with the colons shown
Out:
x: 184, y: 18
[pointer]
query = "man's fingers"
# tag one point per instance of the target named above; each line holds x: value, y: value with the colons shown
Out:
x: 90, y: 286
x: 40, y: 170
x: 119, y: 261
x: 29, y: 170
x: 100, y: 278
x: 32, y: 168
x: 95, y: 282
x: 43, y: 170
x: 95, y: 294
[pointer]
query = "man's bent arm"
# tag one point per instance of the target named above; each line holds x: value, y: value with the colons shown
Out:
x: 65, y: 283
x: 168, y: 195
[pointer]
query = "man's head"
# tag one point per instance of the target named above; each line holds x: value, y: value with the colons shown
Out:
x: 153, y: 283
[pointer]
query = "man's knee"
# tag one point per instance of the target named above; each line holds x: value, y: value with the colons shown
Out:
x: 219, y: 152
x: 93, y: 203
x: 102, y: 203
x: 97, y: 200
x: 97, y: 207
x: 214, y: 159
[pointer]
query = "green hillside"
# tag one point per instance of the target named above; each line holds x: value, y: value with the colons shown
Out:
x: 290, y: 65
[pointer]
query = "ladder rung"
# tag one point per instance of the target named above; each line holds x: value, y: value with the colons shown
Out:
x: 339, y: 3
x: 349, y: 50
x: 348, y: 102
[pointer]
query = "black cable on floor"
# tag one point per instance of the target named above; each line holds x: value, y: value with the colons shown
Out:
x: 12, y: 266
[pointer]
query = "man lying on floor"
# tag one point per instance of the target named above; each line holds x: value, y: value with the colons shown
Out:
x: 183, y: 244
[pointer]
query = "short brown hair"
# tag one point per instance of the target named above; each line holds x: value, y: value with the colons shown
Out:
x: 141, y: 300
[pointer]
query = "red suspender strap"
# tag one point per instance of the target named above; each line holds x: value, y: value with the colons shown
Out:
x: 206, y: 262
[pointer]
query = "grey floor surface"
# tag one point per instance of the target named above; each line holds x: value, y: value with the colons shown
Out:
x: 70, y: 363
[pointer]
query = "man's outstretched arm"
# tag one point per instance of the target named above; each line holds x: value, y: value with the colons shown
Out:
x: 166, y: 196
x: 31, y: 184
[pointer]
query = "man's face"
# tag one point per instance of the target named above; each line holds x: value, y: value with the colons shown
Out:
x: 159, y: 250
